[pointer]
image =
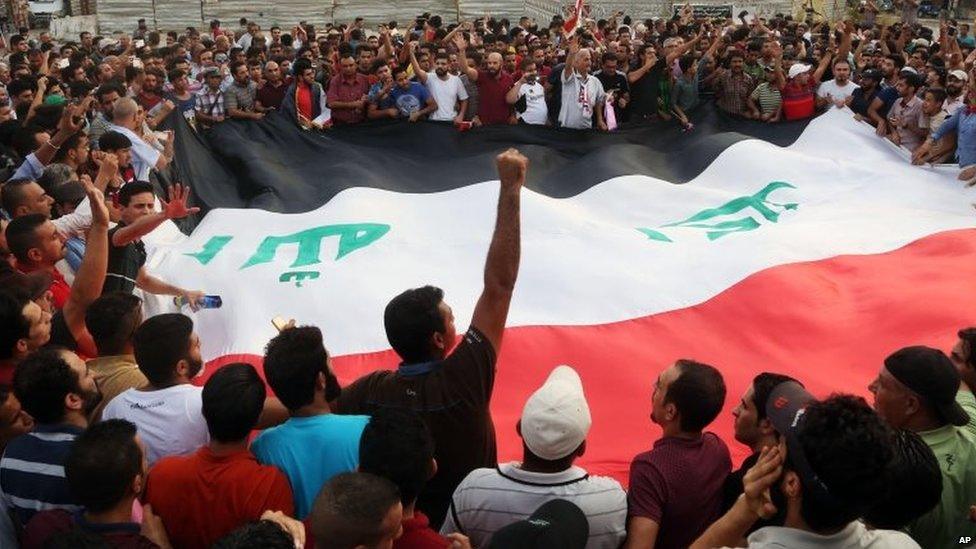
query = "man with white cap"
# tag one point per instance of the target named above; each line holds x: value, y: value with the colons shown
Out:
x: 554, y: 425
x: 799, y: 91
x: 955, y: 82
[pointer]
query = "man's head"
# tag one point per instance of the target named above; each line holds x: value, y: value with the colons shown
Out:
x: 348, y: 66
x: 53, y: 384
x: 107, y: 95
x: 442, y: 64
x: 232, y: 401
x: 752, y: 427
x: 916, y: 389
x: 74, y: 150
x: 419, y: 325
x: 22, y: 197
x: 260, y: 533
x: 397, y: 445
x: 152, y: 82
x: 117, y: 144
x: 914, y: 484
x: 112, y: 320
x: 583, y: 61
x: 364, y: 58
x: 736, y: 61
x: 14, y: 421
x: 303, y: 71
x: 179, y: 80
x: 401, y: 77
x: 166, y: 350
x: 124, y: 113
x: 907, y: 85
x: 892, y: 65
x: 272, y: 72
x: 35, y: 241
x: 106, y: 466
x: 609, y: 63
x: 238, y: 70
x: 137, y: 200
x: 556, y: 419
x: 835, y: 450
x: 932, y: 104
x: 297, y: 367
x: 842, y: 72
x: 493, y: 63
x: 963, y: 355
x: 687, y: 396
x: 357, y: 510
x: 955, y: 81
x: 24, y: 325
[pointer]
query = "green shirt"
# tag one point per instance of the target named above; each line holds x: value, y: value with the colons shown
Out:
x: 955, y: 448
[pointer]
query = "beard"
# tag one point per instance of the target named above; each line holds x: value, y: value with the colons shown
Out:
x: 493, y: 71
x: 196, y: 367
x: 953, y: 90
x: 440, y: 72
x: 92, y: 400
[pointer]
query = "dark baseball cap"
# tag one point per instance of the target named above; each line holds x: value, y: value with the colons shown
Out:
x: 873, y: 74
x: 931, y: 375
x: 557, y: 524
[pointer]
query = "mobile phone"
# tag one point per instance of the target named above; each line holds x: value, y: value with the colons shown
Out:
x: 62, y: 63
x: 139, y: 43
x: 280, y: 323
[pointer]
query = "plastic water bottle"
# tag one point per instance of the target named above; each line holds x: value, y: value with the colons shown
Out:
x: 207, y: 302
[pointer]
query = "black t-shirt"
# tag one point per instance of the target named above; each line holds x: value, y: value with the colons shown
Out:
x: 124, y: 263
x: 452, y: 396
x: 733, y: 488
x: 644, y: 92
x: 615, y: 82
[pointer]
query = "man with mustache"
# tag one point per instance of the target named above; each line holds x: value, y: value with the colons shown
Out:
x: 493, y: 84
x: 168, y: 411
x: 55, y: 387
x: 446, y: 89
x: 955, y: 82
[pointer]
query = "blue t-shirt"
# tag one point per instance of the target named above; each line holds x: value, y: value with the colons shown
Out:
x: 409, y: 100
x: 310, y: 451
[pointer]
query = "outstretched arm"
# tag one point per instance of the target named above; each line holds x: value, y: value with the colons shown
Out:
x: 174, y: 209
x: 502, y: 264
x: 462, y: 45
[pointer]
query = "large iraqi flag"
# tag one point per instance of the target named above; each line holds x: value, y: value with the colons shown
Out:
x: 816, y: 259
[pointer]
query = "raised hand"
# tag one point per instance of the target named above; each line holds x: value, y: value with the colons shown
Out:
x: 176, y: 208
x: 512, y: 167
x: 96, y: 198
x: 760, y: 478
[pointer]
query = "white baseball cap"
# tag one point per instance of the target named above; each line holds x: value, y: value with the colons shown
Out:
x: 556, y: 418
x: 797, y: 69
x: 960, y: 75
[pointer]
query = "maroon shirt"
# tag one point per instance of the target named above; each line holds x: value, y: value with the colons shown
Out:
x: 272, y: 96
x: 345, y: 90
x: 678, y: 484
x: 417, y: 534
x: 492, y: 107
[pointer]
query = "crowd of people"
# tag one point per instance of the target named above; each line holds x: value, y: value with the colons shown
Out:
x: 107, y: 441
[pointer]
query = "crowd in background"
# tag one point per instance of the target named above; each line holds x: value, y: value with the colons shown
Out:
x: 107, y: 441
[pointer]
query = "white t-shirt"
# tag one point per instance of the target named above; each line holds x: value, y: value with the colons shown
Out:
x: 170, y: 421
x: 447, y: 93
x: 854, y: 536
x: 837, y: 92
x: 581, y: 94
x: 536, y: 111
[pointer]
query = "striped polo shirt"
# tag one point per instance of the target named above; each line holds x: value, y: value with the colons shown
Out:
x: 490, y: 499
x: 32, y: 471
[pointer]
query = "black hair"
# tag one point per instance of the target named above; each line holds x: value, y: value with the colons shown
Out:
x: 235, y: 65
x: 102, y: 463
x: 41, y: 383
x: 293, y: 360
x: 132, y: 189
x: 968, y: 336
x: 232, y: 402
x: 914, y: 484
x: 108, y: 88
x: 70, y: 144
x: 113, y: 141
x: 160, y: 343
x: 350, y: 510
x: 21, y: 235
x: 20, y: 85
x: 846, y: 445
x: 898, y: 60
x: 300, y: 66
x: 24, y: 139
x: 77, y: 538
x: 411, y: 319
x: 260, y: 533
x: 401, y: 68
x: 14, y: 326
x: 911, y: 79
x: 686, y: 61
x: 698, y: 392
x: 175, y: 74
x: 112, y: 319
x: 938, y: 94
x: 397, y: 445
x: 13, y: 195
x: 762, y: 386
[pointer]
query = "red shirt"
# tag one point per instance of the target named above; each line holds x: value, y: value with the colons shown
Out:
x: 799, y: 101
x: 202, y: 497
x: 341, y: 89
x: 417, y: 534
x: 492, y: 107
x: 60, y: 289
